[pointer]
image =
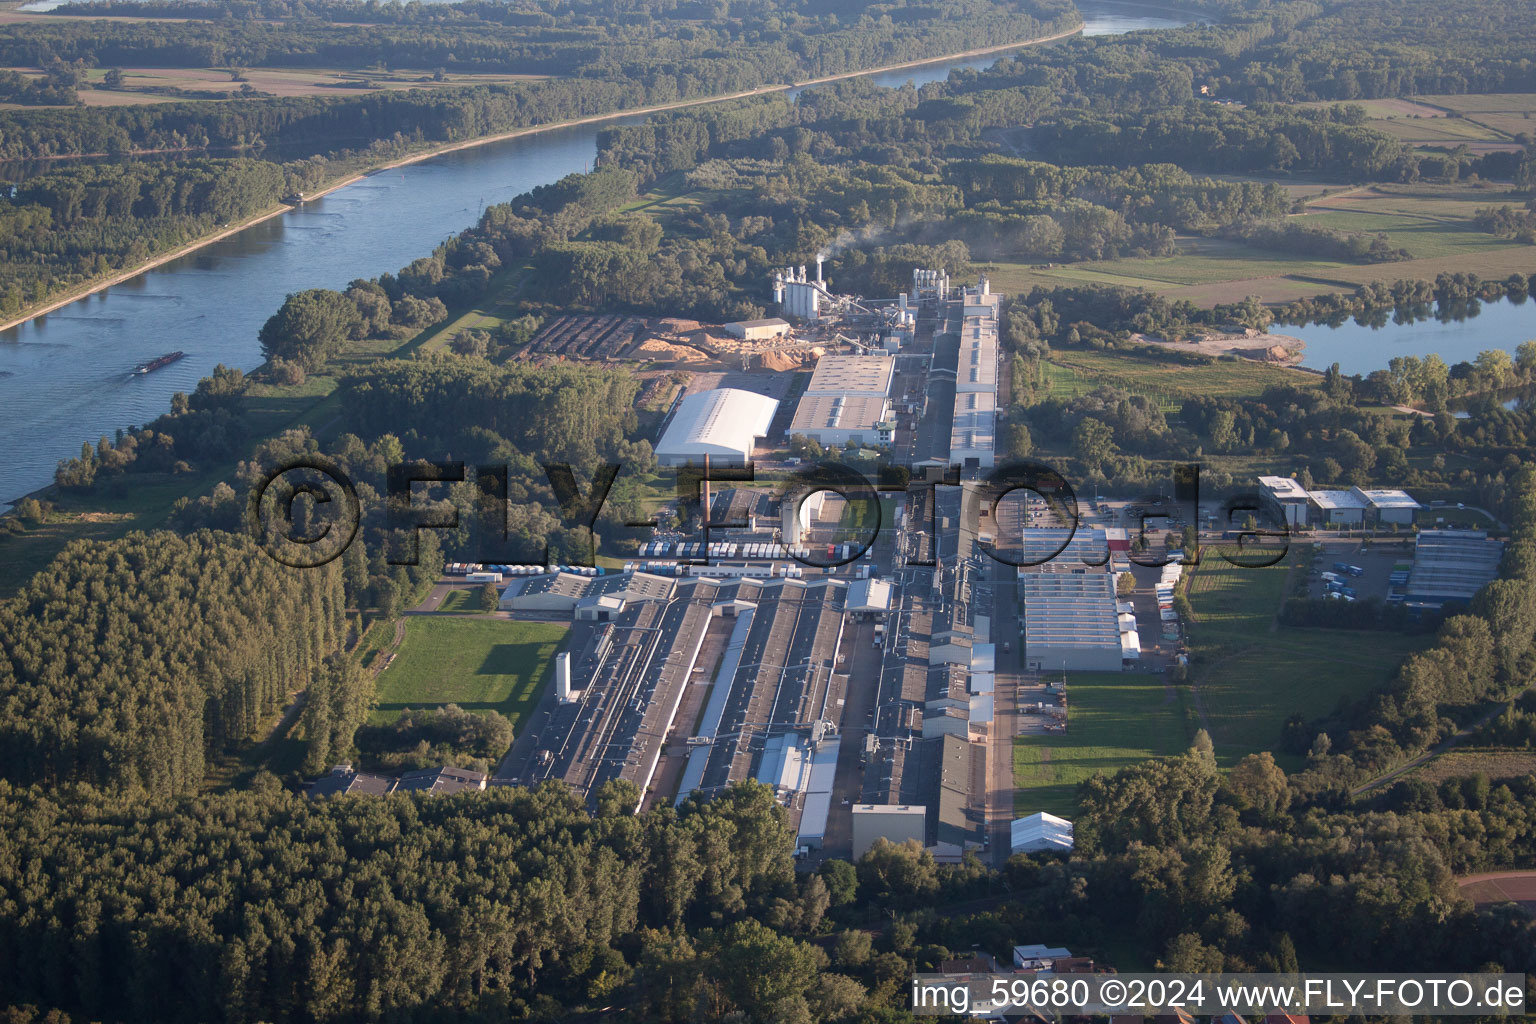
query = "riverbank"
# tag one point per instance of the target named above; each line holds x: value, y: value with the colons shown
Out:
x: 128, y: 274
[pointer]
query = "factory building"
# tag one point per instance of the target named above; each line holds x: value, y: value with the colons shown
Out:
x: 776, y: 678
x: 896, y: 822
x: 1070, y: 622
x: 1388, y: 506
x: 853, y: 375
x: 722, y: 425
x: 1061, y: 549
x: 869, y: 597
x: 973, y: 430
x: 834, y: 421
x: 1339, y: 508
x: 758, y: 330
x: 567, y: 594
x: 1285, y: 499
x: 1451, y: 566
x: 848, y: 399
x: 801, y: 298
x: 629, y: 680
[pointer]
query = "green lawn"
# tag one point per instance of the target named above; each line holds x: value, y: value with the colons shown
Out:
x: 1081, y: 370
x: 478, y: 664
x: 1115, y: 719
x: 1252, y: 674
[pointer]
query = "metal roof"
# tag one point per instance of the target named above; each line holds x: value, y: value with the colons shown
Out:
x: 722, y: 422
x: 1336, y: 499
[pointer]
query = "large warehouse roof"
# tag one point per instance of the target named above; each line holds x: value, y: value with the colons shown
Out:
x: 722, y: 424
x: 1070, y: 609
x: 852, y: 374
x: 1452, y: 565
x: 839, y: 412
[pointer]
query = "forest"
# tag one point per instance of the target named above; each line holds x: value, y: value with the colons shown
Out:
x: 76, y: 223
x: 128, y: 663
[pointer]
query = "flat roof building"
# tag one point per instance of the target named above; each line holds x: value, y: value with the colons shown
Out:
x: 1070, y: 621
x: 757, y: 330
x: 853, y: 375
x: 1285, y: 498
x: 869, y: 597
x: 835, y: 420
x: 1339, y: 508
x: 973, y: 429
x: 1389, y: 506
x: 722, y: 425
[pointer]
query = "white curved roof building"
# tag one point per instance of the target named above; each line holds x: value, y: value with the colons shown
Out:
x: 722, y: 424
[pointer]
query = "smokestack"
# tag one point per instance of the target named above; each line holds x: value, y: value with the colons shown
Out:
x: 704, y: 500
x: 819, y: 258
x: 563, y: 676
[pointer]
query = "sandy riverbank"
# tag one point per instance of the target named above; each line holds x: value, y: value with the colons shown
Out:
x: 485, y: 140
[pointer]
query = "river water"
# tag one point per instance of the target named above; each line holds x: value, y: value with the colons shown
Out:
x: 65, y: 378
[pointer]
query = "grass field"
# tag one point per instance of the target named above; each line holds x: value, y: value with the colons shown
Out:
x: 478, y: 664
x: 1432, y: 221
x: 1115, y: 719
x: 1251, y: 674
x: 1079, y: 371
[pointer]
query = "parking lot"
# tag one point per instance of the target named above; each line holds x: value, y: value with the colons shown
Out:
x: 1377, y: 562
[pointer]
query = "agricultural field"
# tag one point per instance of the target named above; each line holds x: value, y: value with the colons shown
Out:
x: 1433, y: 222
x: 478, y: 664
x: 1250, y: 674
x: 163, y: 85
x: 1115, y: 719
x: 1462, y: 763
x: 1507, y: 113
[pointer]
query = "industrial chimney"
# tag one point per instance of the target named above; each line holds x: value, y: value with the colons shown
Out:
x: 563, y: 676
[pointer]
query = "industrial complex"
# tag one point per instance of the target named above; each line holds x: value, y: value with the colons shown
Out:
x: 877, y: 684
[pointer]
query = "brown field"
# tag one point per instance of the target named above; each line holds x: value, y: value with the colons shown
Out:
x: 272, y: 81
x: 1496, y: 764
x: 1502, y: 887
x: 1387, y: 108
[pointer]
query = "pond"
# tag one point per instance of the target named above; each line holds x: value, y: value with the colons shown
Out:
x: 1475, y: 327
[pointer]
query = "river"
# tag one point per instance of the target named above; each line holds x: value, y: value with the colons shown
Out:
x: 65, y: 377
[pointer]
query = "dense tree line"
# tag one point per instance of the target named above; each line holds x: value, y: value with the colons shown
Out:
x: 520, y: 904
x: 76, y: 223
x: 1317, y: 242
x: 35, y: 92
x: 446, y: 735
x: 600, y: 67
x: 762, y: 41
x: 127, y: 663
x: 506, y: 904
